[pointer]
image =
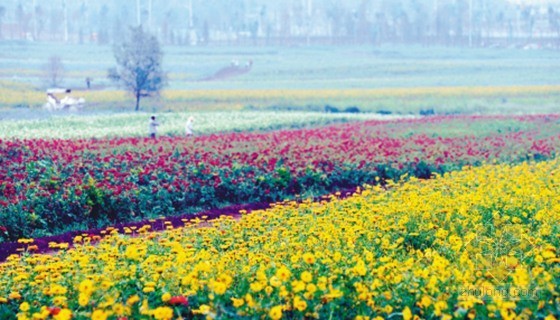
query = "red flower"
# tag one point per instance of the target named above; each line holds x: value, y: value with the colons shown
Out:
x: 53, y: 311
x: 179, y: 300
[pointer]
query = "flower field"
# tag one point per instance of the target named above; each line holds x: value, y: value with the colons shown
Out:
x: 478, y: 243
x: 51, y: 186
x: 111, y: 125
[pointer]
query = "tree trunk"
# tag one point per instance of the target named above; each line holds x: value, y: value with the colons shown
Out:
x: 137, y: 101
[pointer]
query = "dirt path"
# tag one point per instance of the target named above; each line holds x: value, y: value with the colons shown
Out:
x: 41, y: 245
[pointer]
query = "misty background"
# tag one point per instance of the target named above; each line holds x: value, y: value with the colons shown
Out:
x: 403, y: 56
x: 495, y: 23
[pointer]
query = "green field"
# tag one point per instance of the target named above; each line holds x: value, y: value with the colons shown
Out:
x: 371, y: 78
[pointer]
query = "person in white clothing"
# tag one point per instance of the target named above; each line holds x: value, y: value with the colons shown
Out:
x: 189, y: 126
x: 152, y: 127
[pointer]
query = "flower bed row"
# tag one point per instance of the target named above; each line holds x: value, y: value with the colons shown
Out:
x: 51, y: 186
x: 478, y: 243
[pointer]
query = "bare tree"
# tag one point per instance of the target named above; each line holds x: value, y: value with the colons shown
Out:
x: 54, y: 71
x: 139, y: 65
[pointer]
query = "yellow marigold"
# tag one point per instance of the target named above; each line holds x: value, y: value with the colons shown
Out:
x: 283, y: 274
x: 58, y: 289
x: 44, y: 314
x: 99, y: 315
x: 24, y: 307
x: 275, y: 282
x: 309, y: 258
x: 225, y: 278
x: 311, y: 288
x: 388, y: 309
x: 237, y: 302
x: 22, y: 316
x: 120, y: 309
x: 106, y: 285
x: 425, y: 302
x: 219, y: 288
x: 407, y: 314
x: 333, y: 294
x: 306, y: 276
x: 298, y: 286
x: 148, y: 289
x: 14, y: 295
x: 60, y: 301
x: 166, y: 297
x: 83, y: 299
x: 132, y: 300
x: 268, y: 290
x: 64, y: 314
x: 300, y: 304
x: 86, y: 287
x: 256, y: 286
x: 163, y: 313
x: 275, y: 313
x: 203, y: 309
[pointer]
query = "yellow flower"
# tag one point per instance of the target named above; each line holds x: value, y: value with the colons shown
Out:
x: 132, y: 300
x: 237, y: 302
x: 256, y: 286
x: 250, y: 300
x: 14, y: 295
x: 388, y: 309
x: 306, y: 276
x: 99, y: 315
x: 425, y: 302
x: 64, y: 314
x: 24, y: 306
x: 163, y: 313
x: 165, y: 297
x: 203, y: 309
x: 120, y: 310
x: 83, y: 299
x: 407, y: 314
x: 298, y: 286
x: 275, y: 313
x: 60, y: 301
x: 283, y: 274
x: 22, y: 316
x: 219, y: 288
x: 309, y: 258
x: 268, y: 290
x: 275, y: 282
x: 148, y: 289
x: 300, y: 304
x: 311, y: 288
x: 86, y: 287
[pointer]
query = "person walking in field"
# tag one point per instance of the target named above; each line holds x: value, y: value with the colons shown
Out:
x: 189, y: 127
x: 152, y: 127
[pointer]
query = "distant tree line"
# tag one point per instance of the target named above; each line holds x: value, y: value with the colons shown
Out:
x: 288, y: 22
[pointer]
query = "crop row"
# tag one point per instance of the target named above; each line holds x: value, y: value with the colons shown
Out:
x: 134, y: 124
x: 478, y: 243
x: 51, y: 186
